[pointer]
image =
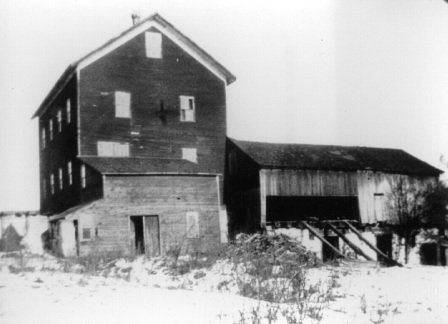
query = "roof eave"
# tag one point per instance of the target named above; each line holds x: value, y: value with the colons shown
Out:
x: 59, y: 85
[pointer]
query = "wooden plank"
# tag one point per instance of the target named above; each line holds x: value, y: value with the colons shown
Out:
x: 349, y: 243
x: 320, y: 237
x: 373, y: 247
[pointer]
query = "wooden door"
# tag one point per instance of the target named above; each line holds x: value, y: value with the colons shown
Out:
x: 152, y: 236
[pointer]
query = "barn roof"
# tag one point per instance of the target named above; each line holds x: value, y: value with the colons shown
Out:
x: 135, y: 165
x: 331, y: 157
x: 155, y: 20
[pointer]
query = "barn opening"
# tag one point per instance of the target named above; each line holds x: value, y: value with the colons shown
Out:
x: 145, y: 234
x: 281, y: 208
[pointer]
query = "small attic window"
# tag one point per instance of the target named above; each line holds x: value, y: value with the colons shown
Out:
x: 153, y: 45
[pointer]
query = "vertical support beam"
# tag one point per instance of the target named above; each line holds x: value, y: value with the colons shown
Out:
x: 263, y: 183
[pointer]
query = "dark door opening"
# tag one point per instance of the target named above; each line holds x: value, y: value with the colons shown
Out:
x: 301, y: 208
x: 384, y: 244
x: 75, y: 223
x: 327, y: 253
x: 139, y: 241
x: 145, y: 235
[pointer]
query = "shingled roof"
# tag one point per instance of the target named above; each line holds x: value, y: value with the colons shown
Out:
x: 128, y: 165
x: 331, y: 157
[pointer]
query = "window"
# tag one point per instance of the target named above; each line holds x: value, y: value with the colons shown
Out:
x: 61, y: 182
x: 113, y: 149
x: 187, y: 109
x: 52, y: 183
x: 50, y: 126
x: 86, y: 234
x: 153, y: 44
x: 69, y: 173
x: 44, y: 188
x: 192, y: 225
x: 122, y: 104
x: 378, y: 199
x: 190, y: 154
x: 43, y: 137
x: 59, y: 121
x: 83, y: 176
x: 69, y: 111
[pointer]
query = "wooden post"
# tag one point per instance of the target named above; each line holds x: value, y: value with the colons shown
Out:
x: 349, y: 243
x: 320, y: 237
x: 373, y: 247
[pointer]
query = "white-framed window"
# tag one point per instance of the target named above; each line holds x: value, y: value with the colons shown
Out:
x: 192, y: 224
x: 59, y: 116
x: 50, y: 127
x: 113, y: 149
x: 69, y: 173
x: 87, y: 225
x: 190, y: 154
x: 378, y: 202
x: 153, y: 44
x: 52, y: 183
x: 61, y: 180
x: 187, y: 109
x: 69, y: 111
x: 83, y: 176
x: 43, y: 138
x: 122, y: 104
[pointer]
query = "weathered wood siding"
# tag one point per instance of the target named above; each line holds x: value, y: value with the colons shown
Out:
x: 371, y: 183
x: 169, y: 197
x: 373, y: 189
x: 150, y: 81
x: 58, y: 152
x: 241, y: 191
x: 305, y: 183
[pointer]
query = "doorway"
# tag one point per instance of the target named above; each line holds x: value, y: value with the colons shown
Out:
x: 145, y: 235
x: 327, y: 253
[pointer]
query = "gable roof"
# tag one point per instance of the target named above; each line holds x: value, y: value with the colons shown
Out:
x: 332, y: 157
x: 136, y: 165
x: 154, y: 20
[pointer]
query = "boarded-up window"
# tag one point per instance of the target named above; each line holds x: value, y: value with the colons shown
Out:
x: 113, y: 149
x: 190, y: 154
x: 122, y: 104
x: 187, y: 109
x: 61, y: 180
x: 153, y: 44
x: 83, y: 176
x: 59, y: 120
x: 378, y: 199
x: 69, y: 173
x: 192, y: 224
x: 69, y: 111
x: 86, y: 234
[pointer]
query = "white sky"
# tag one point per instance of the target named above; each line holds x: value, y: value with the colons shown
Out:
x: 352, y: 72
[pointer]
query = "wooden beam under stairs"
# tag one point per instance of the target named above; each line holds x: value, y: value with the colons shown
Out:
x: 320, y: 237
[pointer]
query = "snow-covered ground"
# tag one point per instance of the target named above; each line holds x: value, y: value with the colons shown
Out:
x: 146, y: 292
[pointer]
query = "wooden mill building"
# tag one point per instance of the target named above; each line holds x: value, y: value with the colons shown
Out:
x: 132, y: 140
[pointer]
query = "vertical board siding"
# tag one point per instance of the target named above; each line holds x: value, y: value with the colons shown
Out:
x: 168, y: 197
x: 309, y: 183
x: 59, y: 151
x: 150, y: 81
